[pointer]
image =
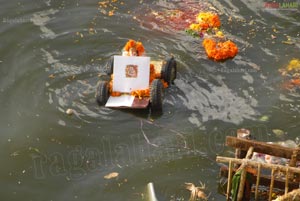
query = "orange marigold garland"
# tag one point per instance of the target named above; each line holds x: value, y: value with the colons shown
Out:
x: 137, y: 46
x: 219, y: 50
x: 141, y: 93
x: 208, y: 24
x: 208, y: 20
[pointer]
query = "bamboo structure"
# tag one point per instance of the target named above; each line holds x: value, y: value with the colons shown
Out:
x: 255, y: 163
x: 241, y: 146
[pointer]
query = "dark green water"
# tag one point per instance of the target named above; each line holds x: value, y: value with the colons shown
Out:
x: 48, y: 155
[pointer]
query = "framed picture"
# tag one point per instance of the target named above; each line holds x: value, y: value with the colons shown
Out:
x: 131, y: 73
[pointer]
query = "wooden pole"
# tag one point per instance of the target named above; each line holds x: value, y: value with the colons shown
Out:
x: 229, y: 181
x: 262, y: 147
x: 242, y: 134
x: 272, y: 184
x: 257, y: 181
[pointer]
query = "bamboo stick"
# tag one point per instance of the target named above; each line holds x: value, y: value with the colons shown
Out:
x: 229, y: 181
x: 257, y: 181
x: 286, y: 189
x: 242, y: 185
x: 255, y: 163
x: 243, y: 176
x: 272, y: 184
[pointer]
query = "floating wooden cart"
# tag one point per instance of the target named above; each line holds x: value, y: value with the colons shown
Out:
x: 245, y: 148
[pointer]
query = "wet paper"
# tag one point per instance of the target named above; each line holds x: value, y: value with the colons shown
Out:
x: 120, y: 101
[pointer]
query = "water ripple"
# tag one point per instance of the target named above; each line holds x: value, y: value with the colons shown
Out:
x: 217, y: 103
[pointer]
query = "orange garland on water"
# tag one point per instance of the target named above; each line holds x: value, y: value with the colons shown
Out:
x: 221, y: 50
x: 215, y: 50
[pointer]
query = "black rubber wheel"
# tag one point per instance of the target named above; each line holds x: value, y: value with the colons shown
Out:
x: 102, y: 92
x: 110, y: 66
x: 156, y: 95
x: 169, y: 71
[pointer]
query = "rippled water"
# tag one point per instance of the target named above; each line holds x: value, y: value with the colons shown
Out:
x: 51, y: 55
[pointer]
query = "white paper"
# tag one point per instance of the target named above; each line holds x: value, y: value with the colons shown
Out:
x: 120, y: 101
x: 131, y: 73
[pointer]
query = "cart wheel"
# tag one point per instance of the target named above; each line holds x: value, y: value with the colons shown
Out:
x: 156, y: 95
x: 110, y: 66
x: 102, y: 92
x: 169, y: 71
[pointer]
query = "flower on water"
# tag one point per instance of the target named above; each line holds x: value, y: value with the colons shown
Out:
x: 294, y: 65
x: 219, y: 50
x: 208, y: 20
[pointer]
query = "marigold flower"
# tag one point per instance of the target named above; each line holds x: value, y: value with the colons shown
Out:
x: 138, y: 46
x: 221, y: 50
x: 220, y: 34
x: 294, y: 65
x: 208, y: 20
x: 141, y: 93
x: 295, y: 82
x: 195, y: 27
x: 129, y: 44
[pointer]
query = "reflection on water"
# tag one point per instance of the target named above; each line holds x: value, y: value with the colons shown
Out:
x: 216, y: 102
x: 51, y: 56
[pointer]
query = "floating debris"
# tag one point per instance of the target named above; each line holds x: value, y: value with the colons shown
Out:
x: 279, y: 133
x: 33, y: 149
x: 196, y: 192
x: 79, y: 34
x: 109, y: 7
x: 288, y: 41
x: 16, y: 153
x: 293, y: 195
x: 264, y: 118
x: 69, y: 111
x: 111, y: 175
x: 52, y: 76
x: 92, y: 31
